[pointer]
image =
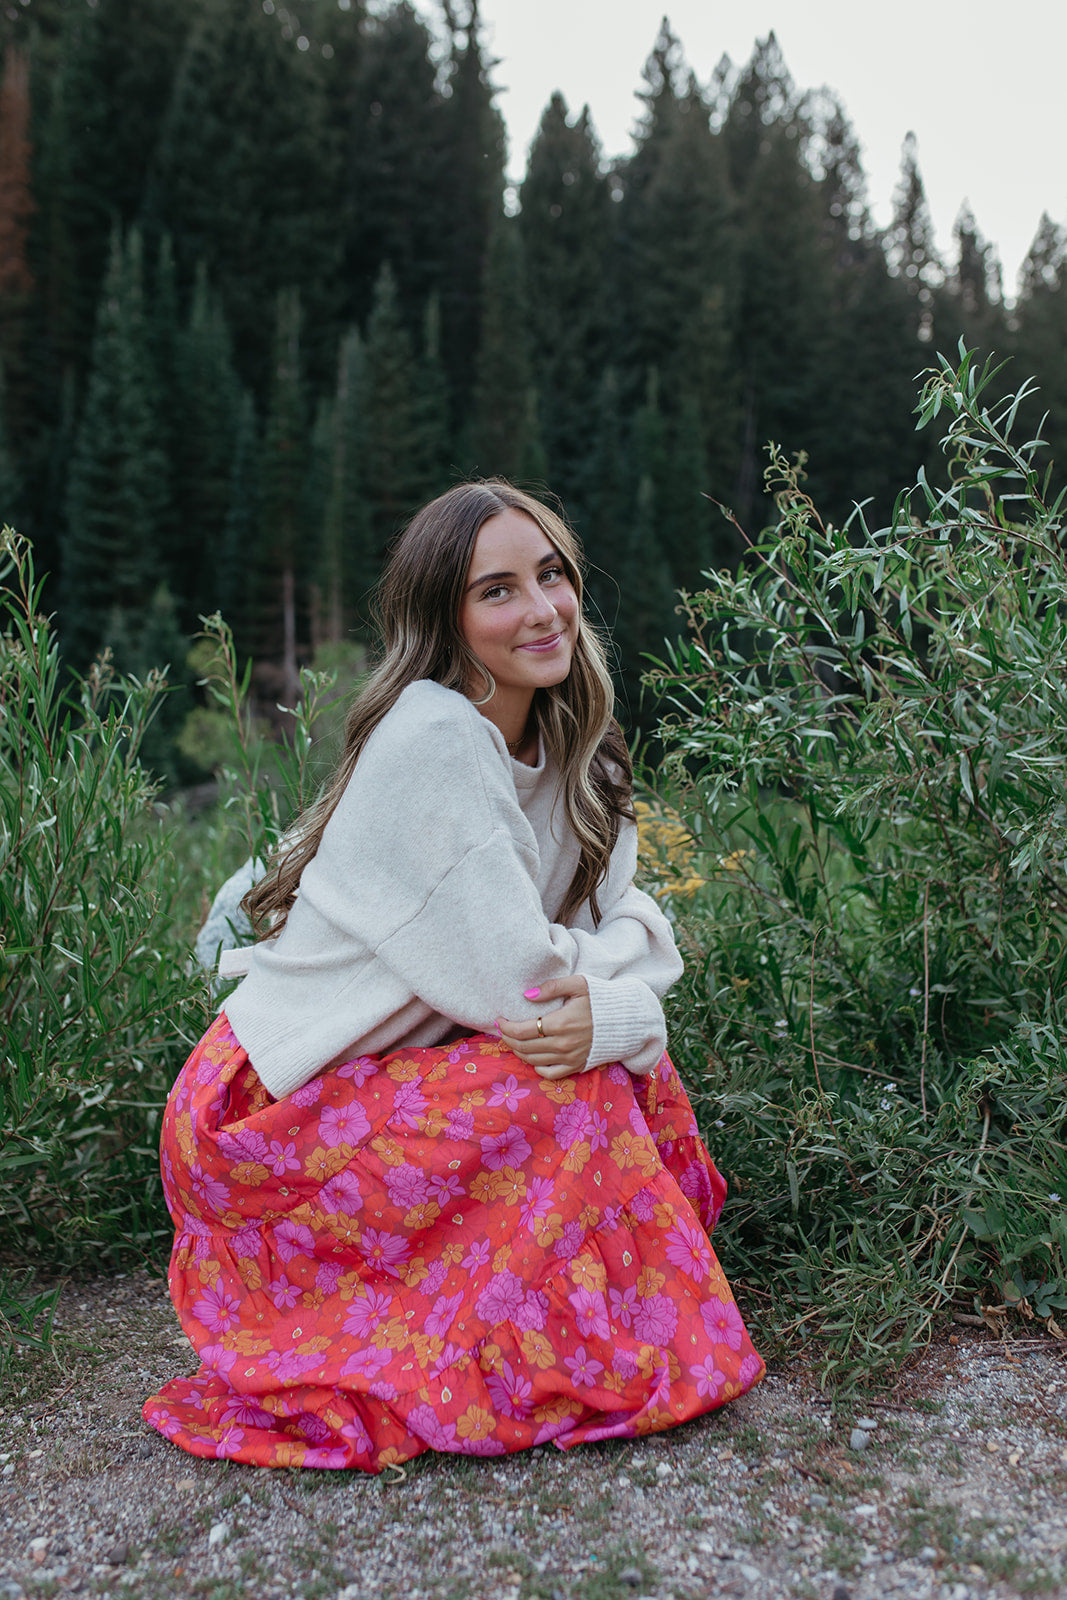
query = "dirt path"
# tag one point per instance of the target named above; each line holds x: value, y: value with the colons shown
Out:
x: 961, y: 1492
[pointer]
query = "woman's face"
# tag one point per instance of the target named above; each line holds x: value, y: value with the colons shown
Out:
x: 519, y: 613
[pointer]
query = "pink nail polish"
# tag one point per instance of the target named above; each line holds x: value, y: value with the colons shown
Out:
x: 530, y: 994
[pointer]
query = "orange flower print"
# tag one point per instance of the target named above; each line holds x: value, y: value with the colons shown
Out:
x: 577, y: 1156
x: 537, y: 1349
x: 589, y: 1274
x: 249, y: 1174
x: 512, y: 1186
x: 475, y: 1423
x: 649, y: 1282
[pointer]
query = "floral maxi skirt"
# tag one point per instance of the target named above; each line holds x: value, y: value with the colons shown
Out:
x: 437, y: 1249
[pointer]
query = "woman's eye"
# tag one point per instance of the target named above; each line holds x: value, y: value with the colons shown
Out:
x: 552, y: 575
x: 497, y: 589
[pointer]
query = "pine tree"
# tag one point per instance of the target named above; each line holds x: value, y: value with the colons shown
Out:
x: 393, y: 468
x: 1041, y: 339
x: 499, y: 444
x: 204, y: 438
x: 431, y: 409
x: 472, y: 186
x: 347, y: 566
x: 971, y: 304
x: 284, y: 467
x: 910, y: 248
x: 236, y: 574
x: 116, y: 497
x: 16, y: 205
x: 565, y: 230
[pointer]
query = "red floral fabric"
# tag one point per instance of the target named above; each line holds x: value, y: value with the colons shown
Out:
x: 437, y: 1249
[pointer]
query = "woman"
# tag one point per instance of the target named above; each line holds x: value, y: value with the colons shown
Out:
x: 435, y: 1183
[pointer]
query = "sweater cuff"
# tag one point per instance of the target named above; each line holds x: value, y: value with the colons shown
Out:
x: 628, y: 1024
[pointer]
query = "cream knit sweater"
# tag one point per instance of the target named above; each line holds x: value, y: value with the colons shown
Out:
x: 430, y: 903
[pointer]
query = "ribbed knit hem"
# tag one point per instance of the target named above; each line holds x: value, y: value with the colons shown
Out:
x: 628, y: 1024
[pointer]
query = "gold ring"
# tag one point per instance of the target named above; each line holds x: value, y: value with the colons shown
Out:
x: 540, y: 1030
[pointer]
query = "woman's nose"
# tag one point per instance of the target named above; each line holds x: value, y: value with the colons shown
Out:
x: 540, y: 607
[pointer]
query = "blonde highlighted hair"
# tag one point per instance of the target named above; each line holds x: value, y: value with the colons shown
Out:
x: 418, y: 606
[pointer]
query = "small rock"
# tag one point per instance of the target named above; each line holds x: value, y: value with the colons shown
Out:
x: 750, y: 1574
x: 818, y: 1500
x: 664, y: 1471
x: 220, y: 1533
x: 864, y: 1511
x: 859, y: 1439
x: 841, y: 1593
x: 927, y: 1555
x: 185, y: 1485
x: 145, y: 1450
x: 9, y: 1470
x: 118, y: 1555
x: 623, y: 1481
x: 867, y: 1423
x: 38, y: 1549
x: 631, y: 1576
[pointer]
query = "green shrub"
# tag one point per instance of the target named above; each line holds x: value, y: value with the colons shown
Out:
x: 98, y: 1004
x: 867, y: 741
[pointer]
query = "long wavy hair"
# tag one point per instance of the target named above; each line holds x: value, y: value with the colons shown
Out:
x: 417, y: 610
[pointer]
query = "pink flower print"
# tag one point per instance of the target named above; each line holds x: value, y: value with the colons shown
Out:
x: 501, y: 1297
x: 460, y: 1126
x: 722, y: 1322
x: 533, y: 1313
x: 311, y: 1427
x: 217, y: 1310
x: 511, y: 1392
x: 508, y: 1148
x: 284, y: 1294
x: 480, y: 1447
x: 448, y: 1357
x: 307, y: 1094
x: 212, y: 1193
x: 203, y: 1248
x: 643, y: 1205
x: 582, y: 1368
x: 246, y: 1243
x: 340, y: 1195
x: 696, y: 1185
x: 367, y: 1362
x: 441, y: 1318
x: 624, y: 1364
x: 407, y: 1186
x: 618, y: 1073
x: 444, y: 1186
x: 217, y: 1358
x: 637, y: 1122
x: 622, y: 1304
x: 556, y: 1430
x: 477, y: 1255
x: 289, y: 1364
x: 507, y: 1093
x: 343, y: 1124
x: 243, y: 1144
x: 316, y: 1456
x: 243, y: 1409
x: 293, y: 1239
x: 749, y: 1369
x: 327, y: 1276
x: 425, y: 1424
x: 359, y: 1071
x: 590, y: 1312
x: 687, y: 1248
x: 655, y: 1319
x: 598, y: 1131
x: 357, y: 1435
x: 388, y: 1251
x: 282, y: 1158
x: 366, y: 1313
x: 409, y: 1104
x: 611, y: 1218
x: 709, y: 1379
x: 434, y: 1278
x: 570, y: 1241
x: 207, y: 1070
x: 571, y: 1123
x: 229, y: 1441
x: 537, y: 1202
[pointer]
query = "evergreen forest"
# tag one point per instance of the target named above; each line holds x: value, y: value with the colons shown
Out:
x: 264, y: 288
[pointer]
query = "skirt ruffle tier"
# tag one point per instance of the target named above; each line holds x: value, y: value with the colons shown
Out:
x: 437, y: 1249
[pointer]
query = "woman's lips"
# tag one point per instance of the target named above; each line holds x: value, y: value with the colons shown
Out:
x: 543, y: 646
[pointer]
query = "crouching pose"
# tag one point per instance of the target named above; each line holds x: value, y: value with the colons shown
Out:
x: 434, y: 1181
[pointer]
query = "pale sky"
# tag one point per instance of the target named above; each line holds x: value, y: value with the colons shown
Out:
x: 980, y: 83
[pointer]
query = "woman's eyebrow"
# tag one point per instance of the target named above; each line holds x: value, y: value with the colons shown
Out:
x: 495, y: 577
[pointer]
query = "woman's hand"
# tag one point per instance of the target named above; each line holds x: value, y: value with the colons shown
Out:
x: 566, y: 1039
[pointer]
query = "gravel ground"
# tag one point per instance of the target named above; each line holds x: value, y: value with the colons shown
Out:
x: 958, y: 1494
